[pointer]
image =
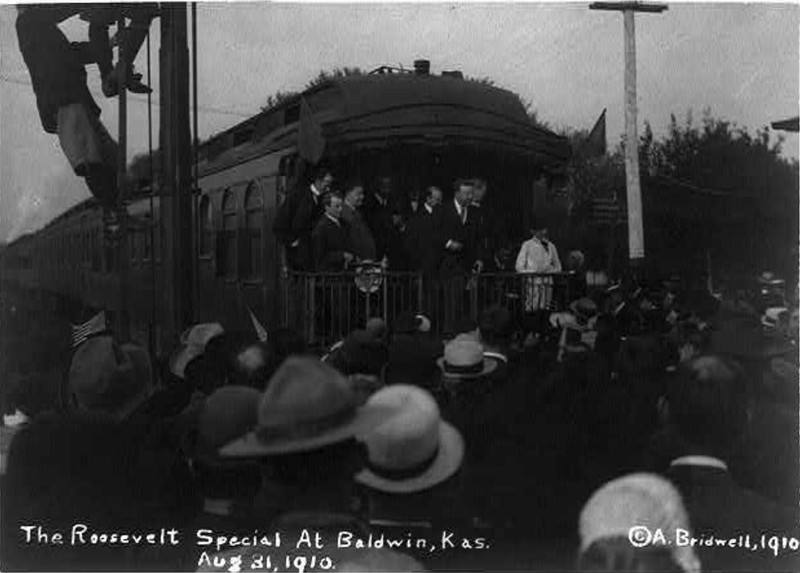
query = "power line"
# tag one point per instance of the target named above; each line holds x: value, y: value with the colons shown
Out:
x: 143, y: 100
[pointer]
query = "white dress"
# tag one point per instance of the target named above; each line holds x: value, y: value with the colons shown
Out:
x: 537, y: 256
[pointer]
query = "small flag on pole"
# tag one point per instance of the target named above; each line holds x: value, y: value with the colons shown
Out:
x: 595, y: 144
x: 261, y: 332
x: 92, y: 327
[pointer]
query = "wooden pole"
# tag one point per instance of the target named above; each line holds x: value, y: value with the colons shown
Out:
x: 123, y: 247
x: 632, y: 185
x: 175, y: 143
x: 636, y: 251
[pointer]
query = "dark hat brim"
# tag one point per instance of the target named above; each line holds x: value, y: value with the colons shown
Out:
x: 366, y: 418
x: 448, y: 459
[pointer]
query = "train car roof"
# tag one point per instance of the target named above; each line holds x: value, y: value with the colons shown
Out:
x: 371, y: 110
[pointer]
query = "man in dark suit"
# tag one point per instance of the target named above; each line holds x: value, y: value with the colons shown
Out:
x: 296, y: 218
x: 455, y: 232
x: 708, y: 406
x: 379, y: 215
x: 420, y: 233
x: 487, y: 227
x: 330, y: 237
x: 331, y: 255
x: 459, y: 255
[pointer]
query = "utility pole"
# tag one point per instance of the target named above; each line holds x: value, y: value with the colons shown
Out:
x: 633, y: 187
x: 176, y: 174
x: 123, y: 248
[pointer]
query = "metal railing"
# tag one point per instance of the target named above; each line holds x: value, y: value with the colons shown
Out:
x: 324, y: 307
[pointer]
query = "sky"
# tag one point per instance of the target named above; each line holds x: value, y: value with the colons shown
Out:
x: 739, y: 60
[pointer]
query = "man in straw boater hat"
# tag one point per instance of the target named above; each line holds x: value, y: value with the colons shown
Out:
x: 412, y: 460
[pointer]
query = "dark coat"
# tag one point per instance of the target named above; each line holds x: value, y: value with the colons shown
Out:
x: 330, y: 245
x: 379, y: 219
x: 359, y: 237
x: 488, y: 233
x: 421, y: 245
x: 449, y: 227
x: 412, y: 360
x: 295, y: 222
x: 57, y: 72
x: 718, y: 506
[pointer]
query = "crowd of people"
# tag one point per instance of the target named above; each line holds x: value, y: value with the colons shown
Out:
x: 332, y: 228
x: 644, y: 406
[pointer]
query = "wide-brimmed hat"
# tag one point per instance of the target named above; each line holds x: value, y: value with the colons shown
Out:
x: 228, y: 413
x: 193, y: 344
x: 413, y: 450
x: 464, y: 358
x: 307, y: 405
x: 108, y: 377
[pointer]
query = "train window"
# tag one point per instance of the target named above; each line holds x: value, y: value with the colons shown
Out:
x: 253, y: 206
x: 206, y: 229
x: 227, y: 262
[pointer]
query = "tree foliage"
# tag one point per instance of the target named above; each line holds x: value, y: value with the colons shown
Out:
x: 720, y: 157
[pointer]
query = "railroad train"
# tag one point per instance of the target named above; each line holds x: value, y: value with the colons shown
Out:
x: 418, y: 128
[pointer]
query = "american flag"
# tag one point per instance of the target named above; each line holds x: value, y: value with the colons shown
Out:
x: 94, y: 325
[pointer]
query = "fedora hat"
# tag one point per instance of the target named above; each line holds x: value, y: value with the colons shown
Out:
x: 413, y: 450
x: 307, y: 405
x: 108, y: 377
x: 193, y: 344
x: 464, y: 358
x: 228, y: 413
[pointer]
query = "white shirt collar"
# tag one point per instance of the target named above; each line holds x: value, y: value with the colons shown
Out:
x: 334, y: 219
x: 381, y: 201
x: 315, y: 192
x: 619, y: 308
x: 706, y: 461
x: 428, y: 208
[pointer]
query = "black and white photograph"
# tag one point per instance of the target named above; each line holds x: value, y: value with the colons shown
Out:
x: 399, y: 287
